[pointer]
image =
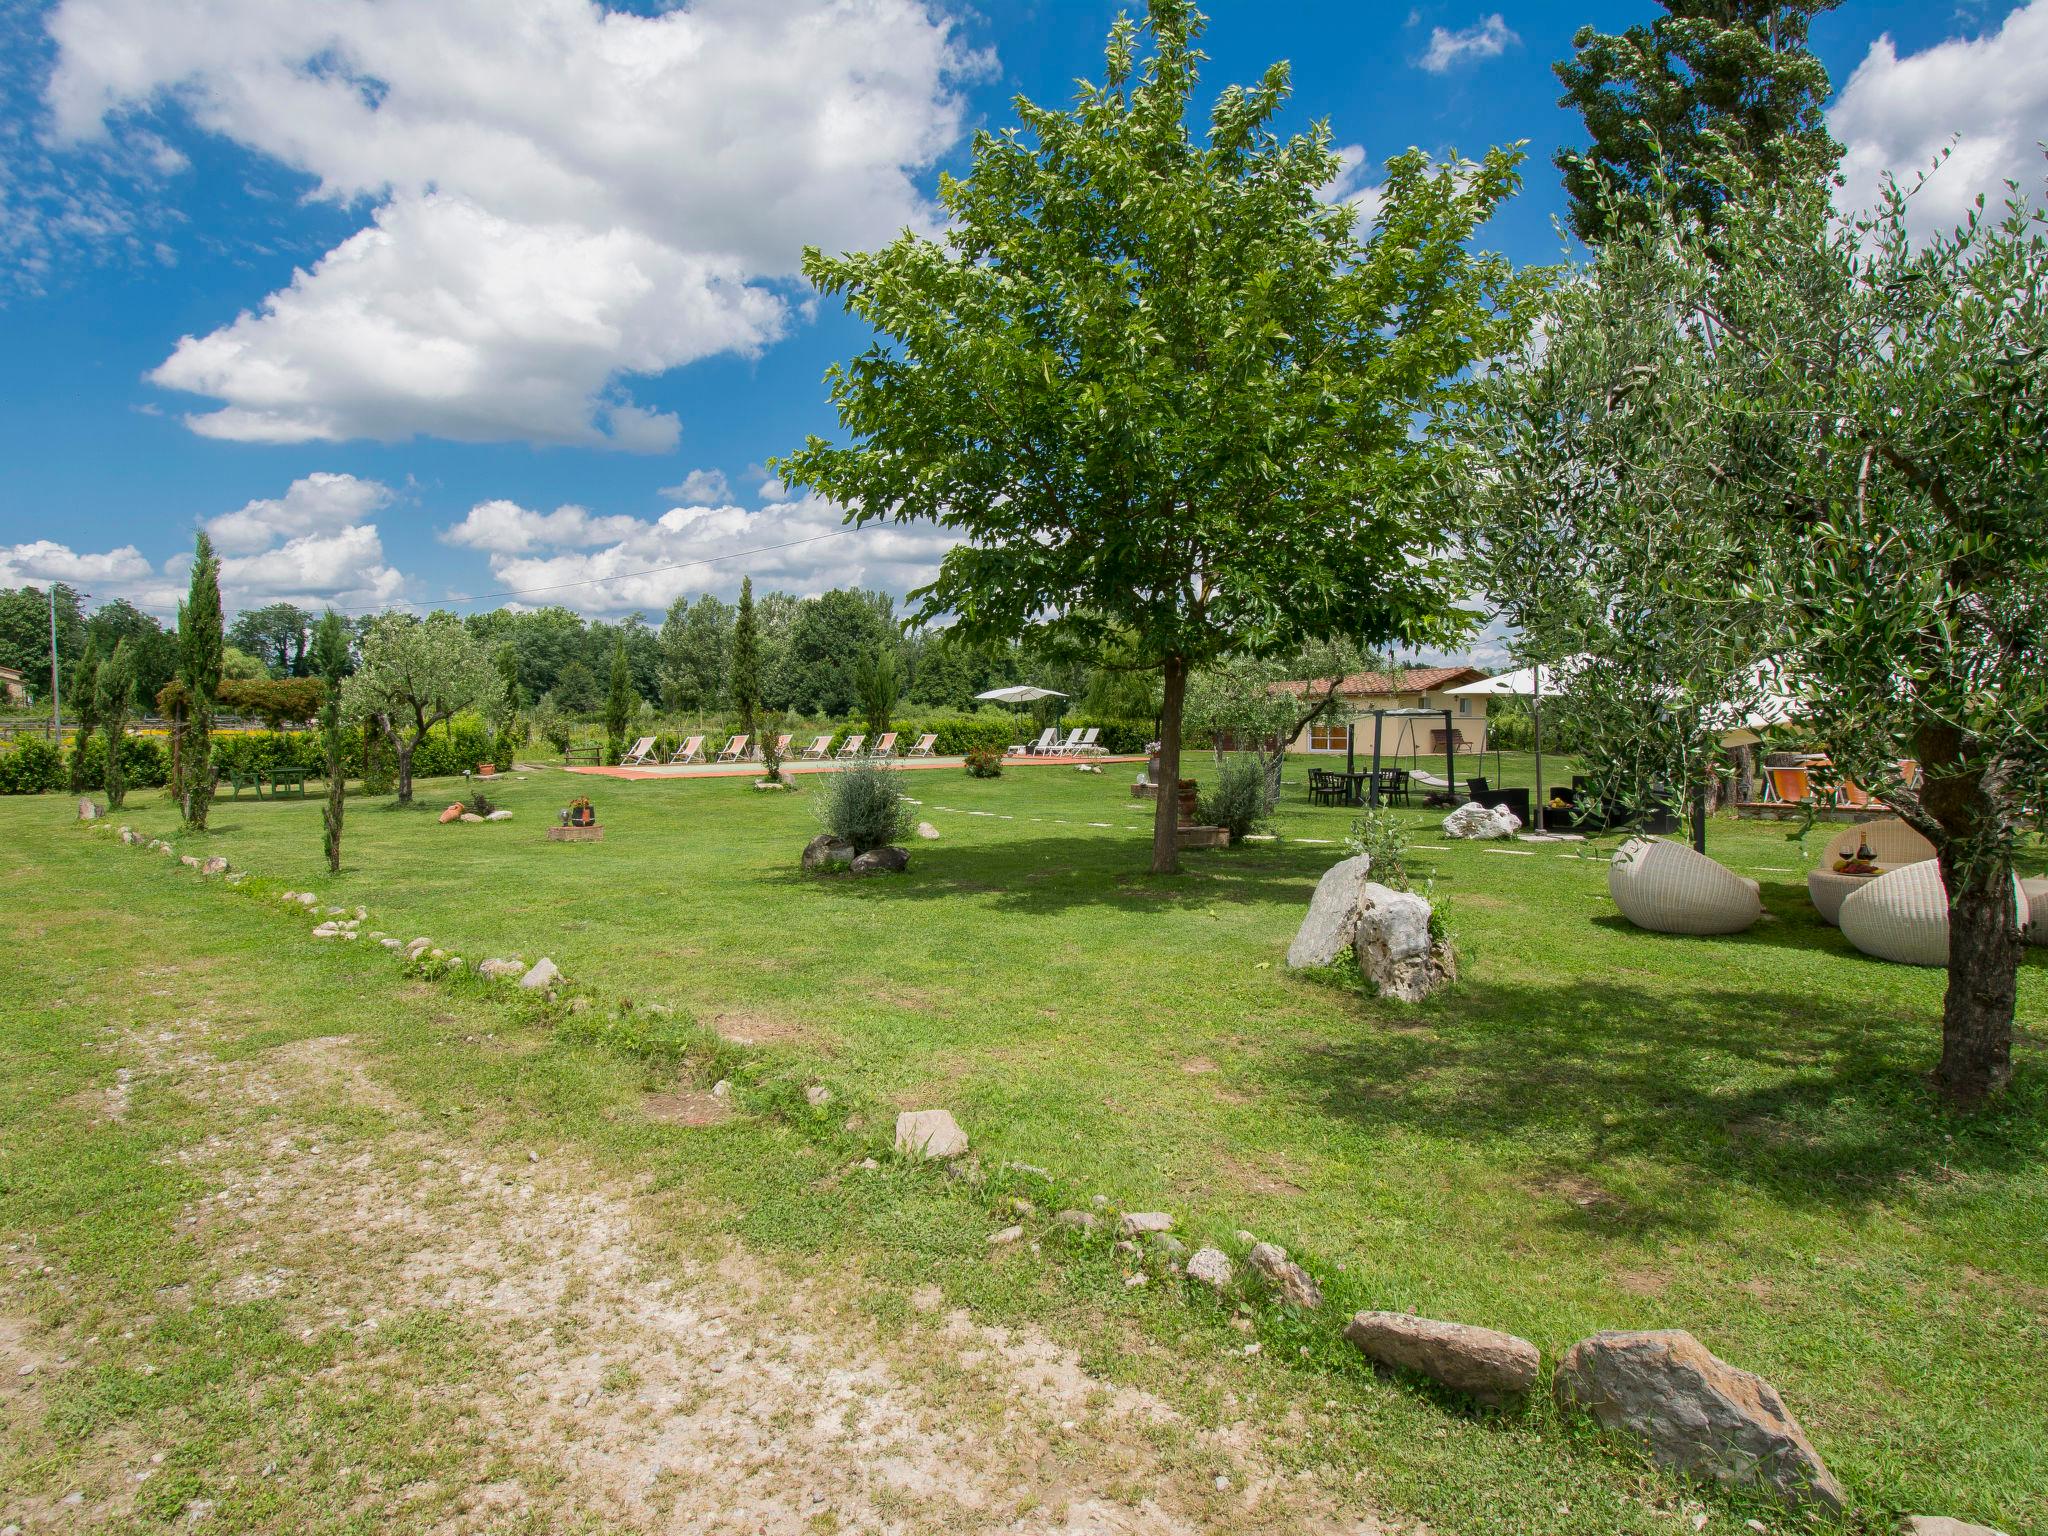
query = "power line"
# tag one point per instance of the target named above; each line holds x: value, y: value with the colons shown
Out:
x: 652, y: 570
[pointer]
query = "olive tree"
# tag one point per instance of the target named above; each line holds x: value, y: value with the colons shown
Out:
x: 1258, y: 704
x: 1163, y: 387
x: 416, y: 674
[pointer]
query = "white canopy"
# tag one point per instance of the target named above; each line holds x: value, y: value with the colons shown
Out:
x: 1537, y: 682
x: 1019, y: 693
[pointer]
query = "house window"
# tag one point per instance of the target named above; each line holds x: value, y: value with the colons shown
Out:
x: 1464, y: 706
x: 1326, y: 736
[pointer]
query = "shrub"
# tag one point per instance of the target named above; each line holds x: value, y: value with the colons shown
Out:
x: 863, y: 805
x: 985, y: 763
x: 145, y: 762
x: 1380, y: 837
x: 1238, y: 802
x: 33, y: 767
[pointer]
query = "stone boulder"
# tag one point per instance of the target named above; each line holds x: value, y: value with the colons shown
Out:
x: 1332, y: 920
x: 453, y: 813
x: 1492, y: 1367
x: 1210, y: 1267
x: 1396, y: 951
x: 929, y: 1133
x: 826, y: 852
x: 217, y: 865
x: 494, y: 968
x: 1696, y: 1413
x: 543, y: 975
x: 1473, y: 820
x: 1942, y: 1525
x: 89, y: 810
x: 882, y: 861
x: 1293, y: 1283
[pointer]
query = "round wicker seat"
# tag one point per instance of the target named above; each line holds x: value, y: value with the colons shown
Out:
x: 1903, y: 915
x: 1668, y: 888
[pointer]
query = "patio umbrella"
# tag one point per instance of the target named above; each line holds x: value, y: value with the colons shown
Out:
x: 1020, y: 693
x: 1531, y: 683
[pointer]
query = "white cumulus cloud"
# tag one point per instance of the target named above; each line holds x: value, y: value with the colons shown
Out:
x: 565, y: 195
x: 1486, y: 38
x: 708, y: 549
x: 308, y: 546
x: 700, y: 486
x: 1985, y: 98
x: 1350, y: 186
x: 506, y: 528
x: 317, y: 503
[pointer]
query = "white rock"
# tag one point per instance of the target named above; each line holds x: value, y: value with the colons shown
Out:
x: 1332, y: 920
x: 471, y: 816
x: 542, y: 975
x: 721, y: 1089
x: 328, y: 931
x: 927, y: 831
x: 417, y: 948
x: 817, y: 1095
x: 1210, y: 1267
x: 1008, y: 1234
x: 929, y: 1133
x: 1396, y: 951
x: 1473, y: 820
x: 499, y: 816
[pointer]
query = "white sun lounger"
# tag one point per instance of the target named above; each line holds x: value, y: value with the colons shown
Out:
x: 642, y: 753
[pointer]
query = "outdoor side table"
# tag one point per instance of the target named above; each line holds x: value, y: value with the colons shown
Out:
x: 1829, y: 890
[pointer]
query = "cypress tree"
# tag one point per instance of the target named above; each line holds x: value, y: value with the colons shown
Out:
x: 330, y: 660
x: 744, y: 679
x: 84, y: 689
x: 618, y: 703
x: 114, y: 692
x: 200, y: 643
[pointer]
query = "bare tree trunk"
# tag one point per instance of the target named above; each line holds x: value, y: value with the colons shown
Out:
x: 1983, y: 979
x: 1166, y: 809
x: 403, y: 749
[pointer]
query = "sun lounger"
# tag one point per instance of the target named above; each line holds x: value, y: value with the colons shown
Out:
x: 642, y: 753
x: 735, y: 750
x: 1073, y: 740
x: 1039, y: 748
x: 1086, y: 746
x: 886, y: 747
x: 782, y: 747
x: 925, y: 745
x: 691, y: 751
x: 818, y: 748
x: 851, y: 746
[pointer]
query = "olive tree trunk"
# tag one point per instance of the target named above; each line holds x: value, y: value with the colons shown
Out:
x: 1984, y: 952
x: 1166, y: 807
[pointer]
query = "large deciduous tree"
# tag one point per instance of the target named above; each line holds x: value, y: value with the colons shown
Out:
x: 200, y: 652
x: 415, y: 674
x: 1710, y: 80
x: 330, y: 660
x: 1164, y: 387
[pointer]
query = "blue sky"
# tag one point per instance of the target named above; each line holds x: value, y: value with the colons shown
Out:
x: 417, y: 301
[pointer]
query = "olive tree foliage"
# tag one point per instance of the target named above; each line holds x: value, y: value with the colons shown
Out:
x: 1604, y: 527
x: 1256, y: 705
x: 1899, y: 393
x: 1164, y: 389
x: 416, y: 674
x: 1855, y: 429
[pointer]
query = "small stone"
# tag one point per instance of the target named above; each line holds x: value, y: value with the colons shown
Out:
x: 190, y: 861
x: 1489, y: 1366
x: 929, y: 1133
x: 927, y: 831
x: 1164, y: 1244
x: 1943, y: 1525
x: 826, y: 852
x: 499, y: 815
x: 1077, y: 1221
x: 217, y: 865
x: 1222, y: 1485
x: 1133, y: 1281
x: 1008, y: 1234
x: 391, y: 943
x: 817, y: 1095
x: 495, y: 968
x: 1135, y: 1222
x: 1210, y: 1267
x: 721, y: 1089
x: 471, y: 816
x: 328, y: 931
x: 1286, y: 1276
x: 417, y: 948
x: 542, y: 975
x: 881, y: 861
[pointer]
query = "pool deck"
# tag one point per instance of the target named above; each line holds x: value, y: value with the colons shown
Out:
x: 752, y: 770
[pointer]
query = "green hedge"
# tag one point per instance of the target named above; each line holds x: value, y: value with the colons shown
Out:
x: 33, y: 767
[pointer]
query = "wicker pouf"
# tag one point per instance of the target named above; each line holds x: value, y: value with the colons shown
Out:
x: 1903, y: 916
x: 1668, y: 888
x: 2036, y: 892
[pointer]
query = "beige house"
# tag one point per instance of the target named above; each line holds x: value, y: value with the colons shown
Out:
x: 12, y: 689
x: 1411, y: 688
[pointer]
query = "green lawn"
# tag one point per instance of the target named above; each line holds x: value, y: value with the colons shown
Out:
x: 1598, y: 1128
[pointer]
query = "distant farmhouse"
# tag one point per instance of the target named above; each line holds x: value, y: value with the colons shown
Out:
x: 1411, y: 688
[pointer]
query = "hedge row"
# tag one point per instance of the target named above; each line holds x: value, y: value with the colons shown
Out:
x: 34, y: 766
